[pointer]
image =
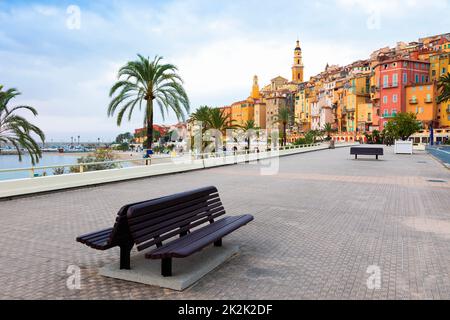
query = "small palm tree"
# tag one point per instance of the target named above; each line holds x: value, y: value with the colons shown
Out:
x: 16, y: 130
x: 328, y: 129
x: 283, y: 118
x: 148, y: 82
x: 219, y: 121
x: 444, y: 88
x: 202, y: 115
x: 249, y: 125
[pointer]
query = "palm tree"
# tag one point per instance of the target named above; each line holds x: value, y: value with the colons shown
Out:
x: 148, y: 82
x: 328, y: 129
x: 218, y: 120
x: 249, y: 125
x: 15, y: 129
x: 444, y: 88
x: 202, y: 115
x: 283, y: 117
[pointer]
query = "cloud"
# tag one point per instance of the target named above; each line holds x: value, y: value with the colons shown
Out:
x: 218, y: 47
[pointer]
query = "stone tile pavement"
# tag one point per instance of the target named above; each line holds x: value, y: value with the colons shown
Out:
x: 319, y: 224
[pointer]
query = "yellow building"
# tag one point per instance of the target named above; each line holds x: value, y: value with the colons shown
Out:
x: 445, y: 47
x: 365, y: 116
x: 297, y: 67
x: 439, y: 65
x: 242, y: 111
x: 444, y: 114
x: 356, y: 92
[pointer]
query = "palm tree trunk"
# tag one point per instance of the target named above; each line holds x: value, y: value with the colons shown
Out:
x: 284, y: 134
x: 149, y: 124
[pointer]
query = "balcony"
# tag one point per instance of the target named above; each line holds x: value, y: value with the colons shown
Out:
x: 349, y: 109
x: 413, y: 101
x: 428, y: 100
x: 390, y: 85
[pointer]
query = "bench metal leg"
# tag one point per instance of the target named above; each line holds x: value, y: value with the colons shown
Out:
x: 218, y: 243
x: 125, y: 251
x: 376, y: 156
x: 166, y: 267
x: 356, y: 156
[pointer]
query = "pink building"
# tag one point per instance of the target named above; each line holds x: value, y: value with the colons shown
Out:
x: 394, y: 76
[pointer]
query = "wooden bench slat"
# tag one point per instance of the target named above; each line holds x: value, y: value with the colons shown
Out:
x: 178, y: 222
x: 175, y: 232
x: 88, y: 236
x: 199, y: 239
x: 142, y: 209
x: 167, y: 210
x: 194, y: 235
x: 160, y: 219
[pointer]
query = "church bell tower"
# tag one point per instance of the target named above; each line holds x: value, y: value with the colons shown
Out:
x: 297, y: 67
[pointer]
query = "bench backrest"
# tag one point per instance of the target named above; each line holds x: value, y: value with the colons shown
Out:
x: 366, y: 150
x: 152, y: 222
x: 121, y: 230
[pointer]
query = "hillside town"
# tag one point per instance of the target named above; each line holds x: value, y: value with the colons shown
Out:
x: 355, y: 99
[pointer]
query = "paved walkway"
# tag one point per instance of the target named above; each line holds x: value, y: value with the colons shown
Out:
x: 319, y: 224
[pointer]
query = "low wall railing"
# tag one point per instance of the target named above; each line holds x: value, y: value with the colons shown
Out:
x: 116, y: 164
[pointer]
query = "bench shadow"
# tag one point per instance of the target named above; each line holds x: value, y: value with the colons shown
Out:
x: 367, y: 159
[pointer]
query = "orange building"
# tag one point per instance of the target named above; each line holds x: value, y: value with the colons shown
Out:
x: 420, y: 99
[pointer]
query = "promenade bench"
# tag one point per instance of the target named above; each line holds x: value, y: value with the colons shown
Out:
x: 368, y: 151
x: 190, y: 216
x: 176, y: 226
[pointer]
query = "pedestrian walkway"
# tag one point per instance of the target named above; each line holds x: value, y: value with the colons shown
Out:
x: 321, y: 223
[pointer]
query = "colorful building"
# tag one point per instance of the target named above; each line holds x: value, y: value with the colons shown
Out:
x: 395, y: 74
x: 421, y: 100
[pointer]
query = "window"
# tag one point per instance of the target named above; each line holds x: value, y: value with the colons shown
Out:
x: 394, y: 98
x: 421, y: 109
x: 385, y: 99
x: 395, y: 79
x: 386, y: 112
x: 423, y: 79
x: 385, y: 81
x: 421, y: 88
x: 394, y: 112
x: 405, y: 77
x: 443, y: 70
x: 428, y: 97
x: 405, y: 64
x: 416, y: 65
x: 417, y: 109
x: 417, y: 78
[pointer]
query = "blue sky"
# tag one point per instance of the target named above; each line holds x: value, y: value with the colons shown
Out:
x: 218, y: 46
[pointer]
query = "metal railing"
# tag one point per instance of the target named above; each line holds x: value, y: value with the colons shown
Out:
x: 148, y: 161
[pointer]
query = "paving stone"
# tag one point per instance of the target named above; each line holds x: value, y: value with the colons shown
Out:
x: 320, y: 222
